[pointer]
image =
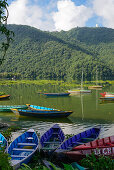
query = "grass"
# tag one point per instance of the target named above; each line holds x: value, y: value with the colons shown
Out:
x: 72, y: 84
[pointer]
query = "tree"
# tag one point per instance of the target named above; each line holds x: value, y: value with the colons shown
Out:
x: 3, y: 29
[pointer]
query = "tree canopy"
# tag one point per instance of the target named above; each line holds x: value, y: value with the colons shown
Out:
x: 36, y: 54
x: 3, y: 29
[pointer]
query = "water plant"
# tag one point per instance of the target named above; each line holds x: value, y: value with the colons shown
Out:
x: 96, y: 163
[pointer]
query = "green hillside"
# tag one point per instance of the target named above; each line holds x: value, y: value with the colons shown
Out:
x: 36, y: 54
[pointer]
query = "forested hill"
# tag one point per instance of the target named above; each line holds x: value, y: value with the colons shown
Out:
x: 36, y: 54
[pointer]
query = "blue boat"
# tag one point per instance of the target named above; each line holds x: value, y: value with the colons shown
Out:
x: 3, y: 142
x: 56, y: 94
x: 34, y: 107
x: 22, y: 148
x: 107, y: 98
x: 42, y: 113
x: 7, y: 108
x: 81, y: 138
x: 51, y: 139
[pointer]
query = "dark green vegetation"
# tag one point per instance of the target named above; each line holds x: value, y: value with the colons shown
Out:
x: 3, y: 30
x: 36, y: 54
x: 101, y: 162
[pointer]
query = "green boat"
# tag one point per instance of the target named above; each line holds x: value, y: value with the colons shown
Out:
x: 7, y: 108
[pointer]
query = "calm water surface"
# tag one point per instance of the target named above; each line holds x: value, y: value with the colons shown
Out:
x: 88, y: 109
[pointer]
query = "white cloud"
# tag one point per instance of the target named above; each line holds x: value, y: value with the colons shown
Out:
x: 105, y: 9
x: 69, y: 15
x: 25, y: 13
x: 60, y: 14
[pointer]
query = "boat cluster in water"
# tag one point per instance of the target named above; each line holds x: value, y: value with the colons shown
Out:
x: 53, y: 144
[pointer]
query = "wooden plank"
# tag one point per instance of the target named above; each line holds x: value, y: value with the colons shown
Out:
x: 27, y: 144
x: 18, y: 156
x: 53, y: 142
x: 20, y: 149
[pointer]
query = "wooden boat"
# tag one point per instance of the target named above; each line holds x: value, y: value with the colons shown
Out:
x: 56, y: 94
x: 34, y: 107
x: 79, y: 91
x: 22, y: 148
x: 81, y: 138
x: 51, y: 139
x: 42, y: 113
x: 104, y: 146
x: 7, y: 108
x: 107, y: 98
x: 106, y: 94
x: 95, y: 87
x: 3, y: 142
x: 4, y: 96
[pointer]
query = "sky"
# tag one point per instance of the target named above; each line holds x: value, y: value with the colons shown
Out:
x: 57, y: 15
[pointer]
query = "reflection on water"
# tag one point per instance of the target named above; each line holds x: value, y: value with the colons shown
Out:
x: 88, y: 109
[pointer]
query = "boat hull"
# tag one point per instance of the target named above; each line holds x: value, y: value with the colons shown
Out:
x: 56, y: 94
x: 22, y: 148
x: 4, y: 97
x: 102, y: 147
x: 3, y: 142
x: 7, y: 108
x: 83, y: 137
x: 51, y: 139
x: 44, y: 114
x: 95, y: 87
x: 79, y: 91
x: 107, y: 98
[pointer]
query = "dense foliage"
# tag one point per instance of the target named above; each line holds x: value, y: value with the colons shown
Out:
x: 36, y: 54
x: 3, y: 30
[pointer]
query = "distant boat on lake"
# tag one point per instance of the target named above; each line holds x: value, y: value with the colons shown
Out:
x: 56, y: 94
x: 78, y: 91
x: 107, y: 98
x: 107, y: 94
x: 96, y: 86
x: 4, y: 96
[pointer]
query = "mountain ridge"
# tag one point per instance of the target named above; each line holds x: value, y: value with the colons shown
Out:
x: 63, y: 53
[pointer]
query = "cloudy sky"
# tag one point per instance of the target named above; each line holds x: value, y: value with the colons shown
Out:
x: 57, y: 15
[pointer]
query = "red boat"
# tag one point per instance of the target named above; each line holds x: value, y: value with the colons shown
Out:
x: 104, y: 146
x: 106, y: 94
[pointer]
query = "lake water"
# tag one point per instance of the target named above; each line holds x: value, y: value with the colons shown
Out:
x: 88, y: 109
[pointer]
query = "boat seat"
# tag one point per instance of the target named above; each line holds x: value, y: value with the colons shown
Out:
x: 27, y: 144
x: 80, y: 143
x: 18, y: 156
x: 69, y: 147
x: 89, y: 138
x: 55, y: 133
x: 47, y: 148
x: 20, y: 149
x: 54, y: 142
x: 29, y: 138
